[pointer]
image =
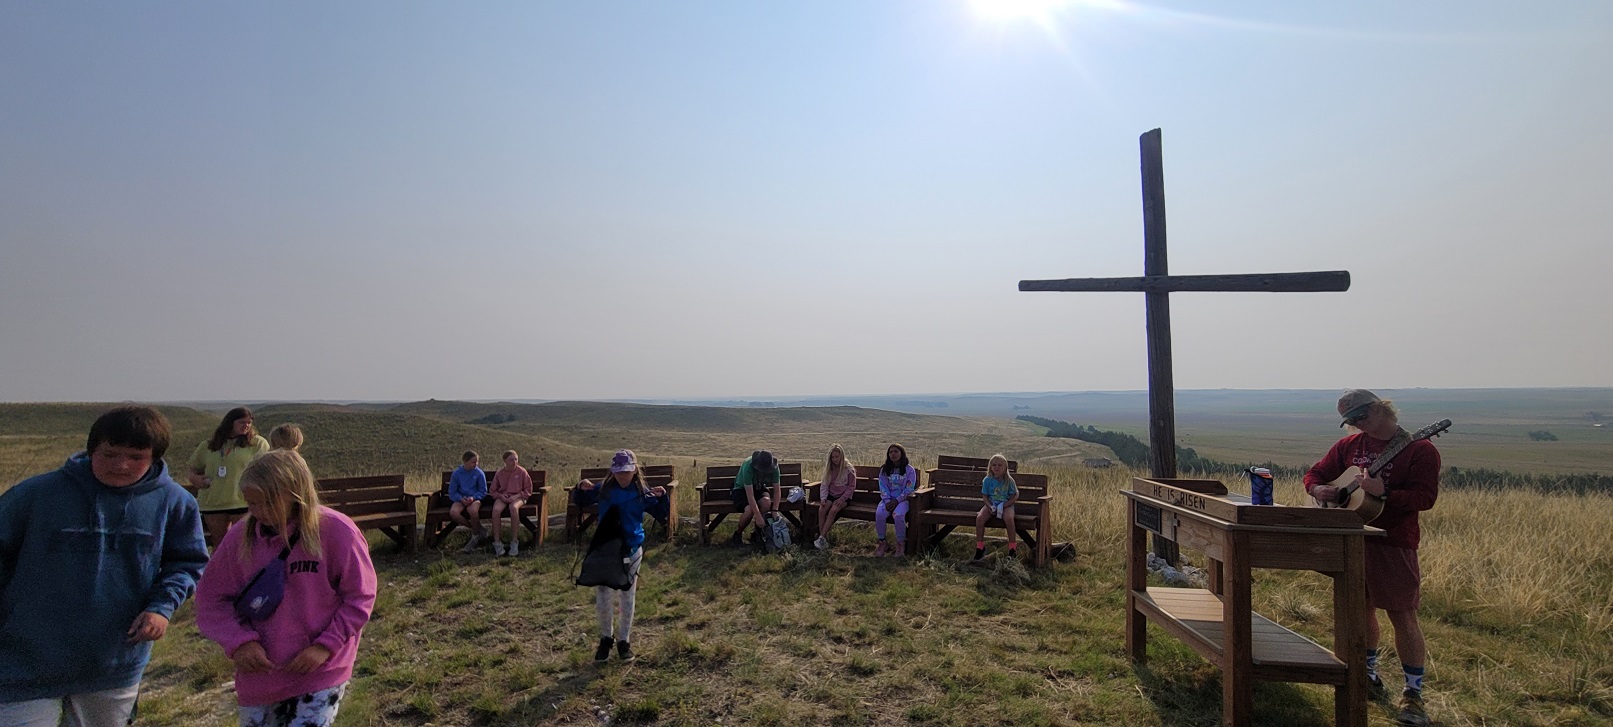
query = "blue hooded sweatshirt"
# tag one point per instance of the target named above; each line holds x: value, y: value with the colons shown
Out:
x: 78, y: 562
x: 629, y: 506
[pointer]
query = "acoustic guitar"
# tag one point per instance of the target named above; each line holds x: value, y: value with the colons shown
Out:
x: 1352, y: 497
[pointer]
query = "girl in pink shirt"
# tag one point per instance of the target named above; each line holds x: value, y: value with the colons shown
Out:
x: 839, y: 482
x: 510, y: 489
x: 293, y: 661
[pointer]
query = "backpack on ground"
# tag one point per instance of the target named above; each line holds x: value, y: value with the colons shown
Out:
x: 776, y: 534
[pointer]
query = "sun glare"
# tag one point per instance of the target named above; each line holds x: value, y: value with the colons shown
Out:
x: 1040, y: 11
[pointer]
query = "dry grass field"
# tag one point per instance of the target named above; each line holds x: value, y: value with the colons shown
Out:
x: 1517, y: 602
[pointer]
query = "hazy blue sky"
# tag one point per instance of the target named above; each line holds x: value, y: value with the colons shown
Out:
x: 398, y: 200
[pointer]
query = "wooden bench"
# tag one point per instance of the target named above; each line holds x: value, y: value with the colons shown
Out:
x: 864, y: 502
x: 376, y: 502
x: 717, y: 499
x: 953, y: 499
x: 534, y: 515
x: 580, y: 517
x: 969, y: 464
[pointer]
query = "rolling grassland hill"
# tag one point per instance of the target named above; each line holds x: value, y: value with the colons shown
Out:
x: 1517, y: 626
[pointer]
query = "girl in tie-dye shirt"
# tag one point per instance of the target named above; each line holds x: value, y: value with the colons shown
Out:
x: 897, y: 481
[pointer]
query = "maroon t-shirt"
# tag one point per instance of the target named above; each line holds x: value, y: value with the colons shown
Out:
x: 1412, y: 479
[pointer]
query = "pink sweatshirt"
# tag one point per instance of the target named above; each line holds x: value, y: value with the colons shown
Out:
x: 842, y: 486
x: 511, y: 481
x: 327, y: 602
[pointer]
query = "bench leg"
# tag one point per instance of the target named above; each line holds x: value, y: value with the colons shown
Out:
x: 672, y: 517
x: 573, y: 522
x: 444, y: 529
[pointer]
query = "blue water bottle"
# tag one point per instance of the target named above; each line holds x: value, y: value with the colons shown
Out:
x: 1259, y: 485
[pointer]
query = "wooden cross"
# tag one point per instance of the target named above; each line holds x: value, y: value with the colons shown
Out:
x: 1156, y: 285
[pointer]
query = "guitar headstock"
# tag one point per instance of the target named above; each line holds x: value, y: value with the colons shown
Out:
x: 1432, y: 430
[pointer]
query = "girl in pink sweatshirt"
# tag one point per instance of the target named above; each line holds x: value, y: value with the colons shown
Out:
x: 293, y: 661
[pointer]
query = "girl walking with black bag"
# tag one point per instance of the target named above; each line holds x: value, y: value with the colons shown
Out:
x: 617, y: 551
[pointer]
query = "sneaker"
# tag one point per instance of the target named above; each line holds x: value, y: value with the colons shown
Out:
x: 603, y: 652
x: 880, y: 550
x: 900, y: 550
x: 1376, y: 691
x: 980, y: 553
x: 498, y: 548
x: 624, y: 651
x: 738, y: 538
x: 1412, y: 713
x: 821, y: 543
x: 756, y: 537
x: 515, y: 547
x: 470, y: 545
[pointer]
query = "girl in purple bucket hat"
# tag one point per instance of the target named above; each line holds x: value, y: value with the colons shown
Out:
x: 624, y: 492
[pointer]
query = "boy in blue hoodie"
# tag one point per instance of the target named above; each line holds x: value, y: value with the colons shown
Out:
x: 94, y: 559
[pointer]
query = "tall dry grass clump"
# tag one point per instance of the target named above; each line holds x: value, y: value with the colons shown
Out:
x: 1518, y: 557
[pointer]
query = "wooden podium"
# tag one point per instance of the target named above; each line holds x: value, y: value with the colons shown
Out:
x: 1218, y: 623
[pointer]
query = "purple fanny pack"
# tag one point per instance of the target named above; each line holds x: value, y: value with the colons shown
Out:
x: 262, y: 595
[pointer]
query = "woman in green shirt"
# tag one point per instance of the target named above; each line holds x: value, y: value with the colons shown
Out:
x: 215, y: 472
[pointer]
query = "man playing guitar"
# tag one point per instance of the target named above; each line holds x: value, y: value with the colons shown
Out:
x: 1407, y: 485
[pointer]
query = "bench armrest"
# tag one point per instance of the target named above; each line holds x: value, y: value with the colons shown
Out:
x: 414, y: 499
x: 923, y: 498
x: 540, y: 490
x: 671, y: 486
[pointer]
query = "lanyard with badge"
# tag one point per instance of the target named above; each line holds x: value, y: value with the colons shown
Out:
x: 223, y: 454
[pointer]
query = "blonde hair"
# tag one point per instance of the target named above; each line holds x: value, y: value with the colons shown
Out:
x: 1388, y: 407
x: 829, y: 471
x: 286, y: 436
x: 291, y: 496
x: 1008, y: 477
x: 507, y: 454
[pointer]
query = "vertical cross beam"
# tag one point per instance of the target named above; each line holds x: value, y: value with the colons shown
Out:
x: 1161, y: 382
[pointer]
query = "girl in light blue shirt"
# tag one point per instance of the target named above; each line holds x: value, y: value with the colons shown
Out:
x: 1000, y: 493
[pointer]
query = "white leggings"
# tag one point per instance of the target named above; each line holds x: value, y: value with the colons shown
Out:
x: 627, y: 598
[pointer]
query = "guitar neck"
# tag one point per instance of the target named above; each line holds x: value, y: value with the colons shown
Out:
x: 1398, y: 444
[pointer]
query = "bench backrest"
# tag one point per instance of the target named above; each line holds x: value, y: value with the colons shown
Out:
x: 972, y: 464
x: 655, y: 475
x: 867, y: 485
x: 538, y: 479
x: 720, y: 480
x: 960, y: 490
x: 352, y: 496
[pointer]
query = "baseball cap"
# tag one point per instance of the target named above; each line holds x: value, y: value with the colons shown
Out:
x: 1355, y: 403
x: 623, y: 461
x: 762, y: 461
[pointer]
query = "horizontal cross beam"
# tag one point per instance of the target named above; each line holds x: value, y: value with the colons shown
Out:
x: 1326, y: 281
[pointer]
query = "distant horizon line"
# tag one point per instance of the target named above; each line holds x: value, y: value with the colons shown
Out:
x: 797, y: 397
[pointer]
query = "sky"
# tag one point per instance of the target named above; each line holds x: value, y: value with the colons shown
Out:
x: 610, y: 200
